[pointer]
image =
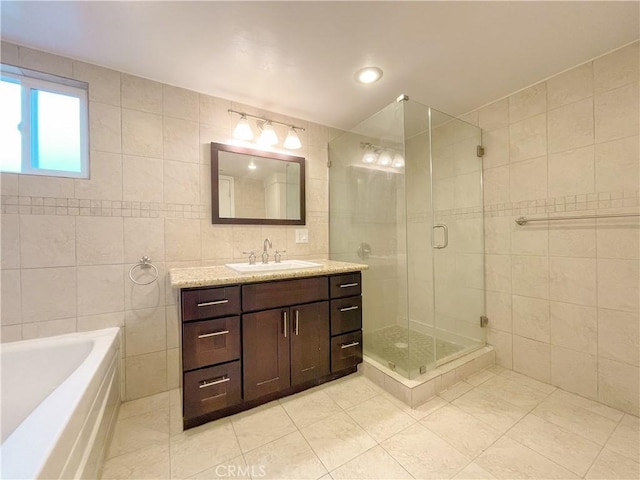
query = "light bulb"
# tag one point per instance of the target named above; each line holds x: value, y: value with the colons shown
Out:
x: 369, y: 156
x: 243, y: 129
x: 292, y: 142
x: 368, y: 75
x: 251, y: 166
x: 268, y: 135
x: 398, y: 161
x: 384, y: 159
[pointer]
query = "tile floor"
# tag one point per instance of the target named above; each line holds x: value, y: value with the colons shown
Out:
x: 497, y: 424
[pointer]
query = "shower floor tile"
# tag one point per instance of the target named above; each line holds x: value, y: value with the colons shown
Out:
x: 364, y: 433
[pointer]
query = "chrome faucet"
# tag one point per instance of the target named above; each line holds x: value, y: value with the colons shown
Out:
x: 265, y: 255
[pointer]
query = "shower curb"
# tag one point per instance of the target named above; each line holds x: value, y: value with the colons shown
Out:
x: 417, y: 391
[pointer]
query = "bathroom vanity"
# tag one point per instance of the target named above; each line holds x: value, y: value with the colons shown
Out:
x: 248, y: 339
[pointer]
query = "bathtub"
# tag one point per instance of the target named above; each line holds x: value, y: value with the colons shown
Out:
x: 60, y: 397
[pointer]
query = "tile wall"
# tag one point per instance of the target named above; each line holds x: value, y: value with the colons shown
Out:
x: 562, y: 297
x: 68, y: 245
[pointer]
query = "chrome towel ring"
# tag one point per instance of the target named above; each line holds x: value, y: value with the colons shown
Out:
x: 145, y: 263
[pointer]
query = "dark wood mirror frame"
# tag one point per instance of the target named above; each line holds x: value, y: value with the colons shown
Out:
x: 215, y: 207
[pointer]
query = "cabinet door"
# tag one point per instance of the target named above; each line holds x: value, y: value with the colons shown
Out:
x: 265, y: 352
x: 310, y: 352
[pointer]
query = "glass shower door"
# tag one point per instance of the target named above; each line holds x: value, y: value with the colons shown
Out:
x: 457, y: 236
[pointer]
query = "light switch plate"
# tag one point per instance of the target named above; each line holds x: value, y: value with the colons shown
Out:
x: 302, y: 235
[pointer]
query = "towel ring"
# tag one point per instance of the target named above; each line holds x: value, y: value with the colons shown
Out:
x: 145, y: 262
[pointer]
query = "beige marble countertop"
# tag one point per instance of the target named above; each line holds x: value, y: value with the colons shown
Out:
x: 221, y: 275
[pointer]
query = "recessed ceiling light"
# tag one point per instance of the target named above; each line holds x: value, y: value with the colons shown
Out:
x: 369, y: 75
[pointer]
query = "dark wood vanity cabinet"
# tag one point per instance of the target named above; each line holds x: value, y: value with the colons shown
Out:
x: 244, y: 345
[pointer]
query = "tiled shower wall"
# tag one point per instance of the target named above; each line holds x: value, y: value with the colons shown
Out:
x: 68, y: 245
x: 562, y: 296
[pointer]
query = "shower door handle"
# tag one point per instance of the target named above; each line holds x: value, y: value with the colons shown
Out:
x: 445, y: 229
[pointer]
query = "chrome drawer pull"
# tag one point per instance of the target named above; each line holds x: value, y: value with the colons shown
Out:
x: 285, y: 327
x: 206, y: 384
x: 352, y: 344
x: 347, y: 285
x: 297, y: 329
x: 213, y: 334
x: 218, y: 302
x: 346, y: 309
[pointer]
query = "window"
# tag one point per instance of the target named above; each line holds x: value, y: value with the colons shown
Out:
x: 43, y: 124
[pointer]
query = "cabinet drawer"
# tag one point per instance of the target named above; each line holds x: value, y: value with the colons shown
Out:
x: 263, y: 296
x: 346, y: 315
x: 210, y: 341
x: 211, y: 389
x: 210, y: 303
x: 346, y: 351
x: 346, y: 285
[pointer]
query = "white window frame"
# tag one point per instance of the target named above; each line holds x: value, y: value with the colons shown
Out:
x: 30, y: 81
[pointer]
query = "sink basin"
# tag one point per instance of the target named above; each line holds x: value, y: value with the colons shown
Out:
x: 272, y: 266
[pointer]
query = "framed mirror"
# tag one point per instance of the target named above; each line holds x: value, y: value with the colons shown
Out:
x: 254, y: 187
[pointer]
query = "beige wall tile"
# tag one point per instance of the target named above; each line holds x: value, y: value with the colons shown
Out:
x: 182, y: 239
x: 100, y: 240
x: 105, y: 127
x: 141, y: 94
x: 498, y: 308
x: 496, y: 145
x: 498, y: 273
x: 575, y: 372
x: 45, y: 62
x: 574, y: 327
x: 616, y: 69
x: 10, y: 333
x: 616, y: 113
x: 528, y: 102
x: 572, y: 172
x: 217, y: 241
x: 9, y: 53
x: 618, y: 284
x: 104, y: 84
x: 618, y: 239
x: 146, y: 374
x: 317, y: 192
x: 174, y: 372
x: 530, y: 276
x: 503, y: 344
x: 528, y: 179
x: 41, y: 186
x: 48, y: 293
x: 141, y: 133
x: 144, y: 296
x: 47, y: 241
x: 181, y: 140
x: 142, y: 179
x: 100, y: 321
x: 576, y: 238
x: 172, y: 315
x: 145, y: 331
x: 180, y: 103
x: 10, y: 298
x: 9, y: 241
x: 529, y: 239
x: 9, y: 183
x: 213, y: 112
x: 528, y: 138
x: 494, y: 115
x: 618, y: 385
x: 618, y: 336
x: 143, y: 236
x: 497, y: 235
x: 181, y: 182
x: 571, y: 126
x: 571, y: 86
x: 468, y: 190
x: 316, y: 164
x: 531, y: 318
x: 532, y: 358
x: 105, y: 182
x: 573, y: 280
x: 48, y: 328
x: 617, y: 165
x: 496, y: 185
x: 100, y: 289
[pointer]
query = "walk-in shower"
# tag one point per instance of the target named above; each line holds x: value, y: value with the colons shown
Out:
x: 406, y: 198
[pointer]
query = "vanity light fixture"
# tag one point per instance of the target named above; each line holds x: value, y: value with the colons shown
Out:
x: 369, y: 156
x: 384, y: 159
x: 369, y: 75
x: 398, y: 161
x: 252, y: 166
x: 243, y: 129
x: 268, y: 135
x: 381, y: 156
x: 292, y: 142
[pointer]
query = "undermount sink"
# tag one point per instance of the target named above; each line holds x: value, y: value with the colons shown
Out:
x: 272, y: 267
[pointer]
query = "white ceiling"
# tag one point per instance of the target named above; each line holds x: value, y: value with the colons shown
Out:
x: 299, y: 58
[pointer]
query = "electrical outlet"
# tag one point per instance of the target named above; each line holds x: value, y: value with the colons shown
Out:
x: 302, y: 235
